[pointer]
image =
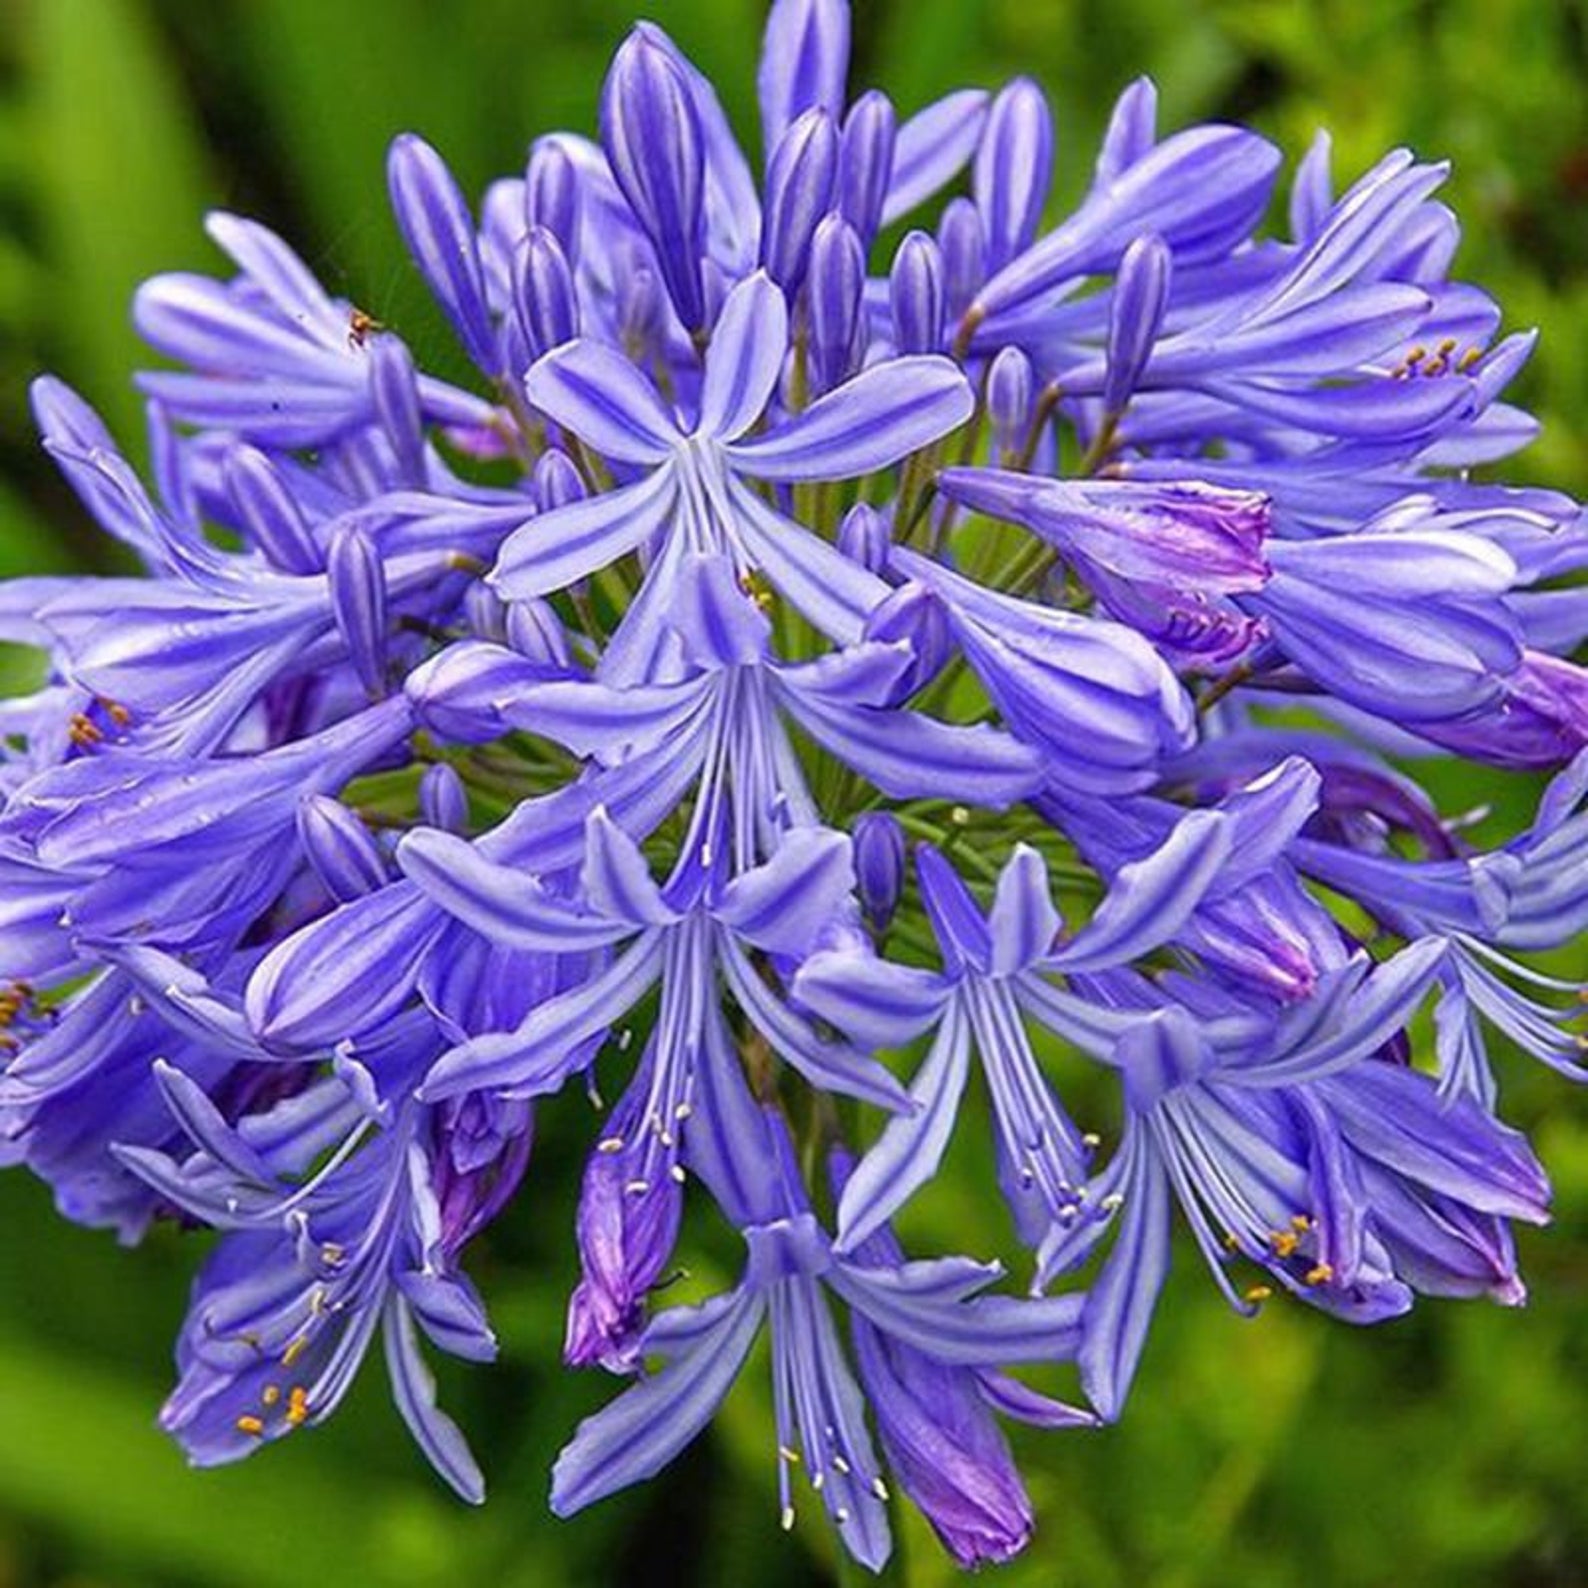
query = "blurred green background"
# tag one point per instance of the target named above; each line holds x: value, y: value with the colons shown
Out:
x: 1450, y: 1447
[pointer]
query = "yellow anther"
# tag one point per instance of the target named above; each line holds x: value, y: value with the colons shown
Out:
x: 271, y: 1395
x: 1320, y: 1274
x: 1415, y: 355
x: 250, y: 1425
x: 1447, y: 346
x: 117, y: 712
x: 295, y: 1350
x: 1469, y: 358
x: 1259, y: 1293
x: 1232, y: 1241
x: 1300, y: 1222
x: 297, y: 1405
x: 1285, y: 1242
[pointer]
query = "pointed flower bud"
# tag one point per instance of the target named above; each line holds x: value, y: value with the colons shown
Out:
x: 640, y: 311
x: 1132, y: 131
x: 1014, y: 167
x: 340, y: 849
x: 651, y: 133
x: 913, y: 615
x: 535, y: 631
x: 915, y: 295
x: 394, y: 387
x: 439, y: 231
x: 268, y: 514
x: 551, y: 195
x: 556, y: 481
x: 879, y: 865
x: 804, y: 61
x: 836, y: 290
x: 443, y: 801
x: 865, y: 537
x: 1135, y: 317
x: 799, y: 190
x: 1010, y: 389
x: 543, y: 293
x: 865, y: 162
x: 962, y: 241
x: 358, y: 598
x: 1186, y: 534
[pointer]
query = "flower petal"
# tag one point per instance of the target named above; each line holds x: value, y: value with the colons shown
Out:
x: 1023, y: 921
x: 932, y: 148
x: 912, y: 1145
x: 882, y: 415
x: 537, y: 1056
x: 500, y: 902
x: 782, y: 905
x: 1120, y: 1304
x: 831, y: 1066
x: 559, y: 548
x: 590, y: 388
x: 648, y: 1424
x: 746, y: 358
x: 878, y: 1003
x: 414, y: 1390
x: 1151, y: 899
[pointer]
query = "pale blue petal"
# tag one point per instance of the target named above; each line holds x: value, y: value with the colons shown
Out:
x: 414, y: 1390
x: 559, y: 548
x: 782, y: 905
x: 878, y: 1003
x: 1023, y: 921
x: 882, y: 415
x: 591, y: 389
x: 748, y: 346
x: 648, y: 1424
x: 1151, y: 899
x: 908, y: 1152
x: 500, y: 902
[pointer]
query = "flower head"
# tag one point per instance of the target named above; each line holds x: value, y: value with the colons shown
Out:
x: 579, y: 721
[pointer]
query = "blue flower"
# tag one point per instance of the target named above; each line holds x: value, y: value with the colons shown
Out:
x: 457, y: 741
x: 929, y: 1310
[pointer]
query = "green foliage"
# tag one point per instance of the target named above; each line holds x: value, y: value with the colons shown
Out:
x: 1443, y: 1449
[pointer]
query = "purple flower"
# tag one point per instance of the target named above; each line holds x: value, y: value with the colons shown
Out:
x: 989, y: 983
x: 930, y: 1310
x: 451, y: 745
x: 938, y: 1426
x: 692, y: 497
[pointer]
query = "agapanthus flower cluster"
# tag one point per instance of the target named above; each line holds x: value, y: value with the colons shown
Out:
x: 804, y: 667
